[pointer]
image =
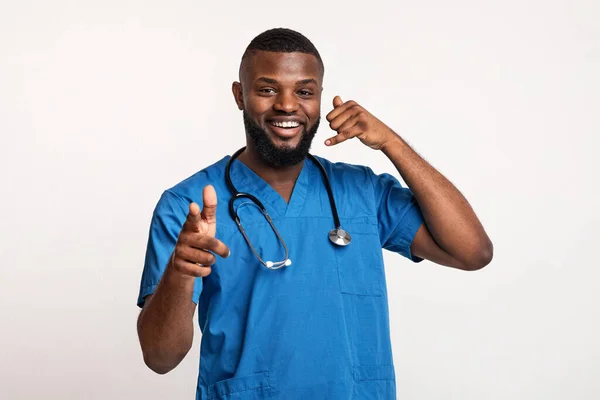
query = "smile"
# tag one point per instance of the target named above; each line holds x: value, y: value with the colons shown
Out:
x: 285, y: 129
x: 286, y: 124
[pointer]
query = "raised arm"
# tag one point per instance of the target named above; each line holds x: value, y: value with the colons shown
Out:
x: 452, y: 235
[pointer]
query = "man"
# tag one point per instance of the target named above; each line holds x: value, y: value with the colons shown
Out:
x: 313, y: 323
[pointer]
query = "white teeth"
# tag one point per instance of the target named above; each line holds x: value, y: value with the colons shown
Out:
x: 286, y: 124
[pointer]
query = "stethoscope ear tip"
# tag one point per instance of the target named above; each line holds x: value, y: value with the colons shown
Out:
x: 278, y: 264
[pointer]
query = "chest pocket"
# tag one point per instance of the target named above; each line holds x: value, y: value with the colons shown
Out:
x: 360, y: 264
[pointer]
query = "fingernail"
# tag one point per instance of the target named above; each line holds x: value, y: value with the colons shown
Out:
x: 327, y: 142
x: 228, y: 253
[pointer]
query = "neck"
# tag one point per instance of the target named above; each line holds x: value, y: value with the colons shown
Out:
x: 277, y: 177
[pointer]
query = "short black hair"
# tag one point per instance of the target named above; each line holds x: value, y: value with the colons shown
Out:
x: 282, y: 40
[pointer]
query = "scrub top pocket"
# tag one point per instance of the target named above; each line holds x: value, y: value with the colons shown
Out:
x: 360, y: 264
x: 255, y: 386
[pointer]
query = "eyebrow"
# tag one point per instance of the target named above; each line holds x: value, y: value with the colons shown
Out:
x: 306, y: 81
x: 272, y: 81
x: 267, y: 80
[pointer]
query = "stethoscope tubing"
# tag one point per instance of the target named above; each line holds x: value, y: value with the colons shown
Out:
x: 236, y: 194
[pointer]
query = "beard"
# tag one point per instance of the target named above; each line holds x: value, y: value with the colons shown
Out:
x: 273, y: 155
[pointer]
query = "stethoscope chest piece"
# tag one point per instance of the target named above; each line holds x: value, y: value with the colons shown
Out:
x: 339, y: 237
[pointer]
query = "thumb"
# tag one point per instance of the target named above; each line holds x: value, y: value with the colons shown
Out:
x: 209, y: 211
x: 337, y: 101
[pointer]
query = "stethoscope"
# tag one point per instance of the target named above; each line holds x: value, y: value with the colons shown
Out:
x: 337, y: 235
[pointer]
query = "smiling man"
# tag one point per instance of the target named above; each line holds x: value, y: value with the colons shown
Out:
x: 283, y: 260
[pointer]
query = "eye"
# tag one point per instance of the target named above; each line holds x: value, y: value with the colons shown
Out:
x: 305, y: 93
x: 266, y: 90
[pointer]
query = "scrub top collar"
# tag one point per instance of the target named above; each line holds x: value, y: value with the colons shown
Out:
x: 246, y: 180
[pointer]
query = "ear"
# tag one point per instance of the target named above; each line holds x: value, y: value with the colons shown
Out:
x: 238, y: 95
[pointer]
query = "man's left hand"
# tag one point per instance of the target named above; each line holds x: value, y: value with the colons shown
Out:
x: 350, y: 120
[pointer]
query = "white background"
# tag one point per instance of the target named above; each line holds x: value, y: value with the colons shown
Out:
x: 104, y: 104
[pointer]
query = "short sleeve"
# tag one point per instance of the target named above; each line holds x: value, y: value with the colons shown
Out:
x: 398, y: 214
x: 167, y: 219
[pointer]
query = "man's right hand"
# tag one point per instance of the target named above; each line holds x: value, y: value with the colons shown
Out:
x: 193, y: 255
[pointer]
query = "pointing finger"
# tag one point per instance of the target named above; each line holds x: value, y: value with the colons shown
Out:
x: 209, y: 210
x: 194, y: 216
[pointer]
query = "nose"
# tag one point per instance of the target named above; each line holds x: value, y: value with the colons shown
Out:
x: 286, y: 102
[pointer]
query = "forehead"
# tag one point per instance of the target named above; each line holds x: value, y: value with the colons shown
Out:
x: 280, y: 66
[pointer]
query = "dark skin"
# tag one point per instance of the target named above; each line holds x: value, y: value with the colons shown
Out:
x: 272, y: 84
x: 165, y: 324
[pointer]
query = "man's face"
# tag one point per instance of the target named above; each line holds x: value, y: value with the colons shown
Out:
x: 280, y: 95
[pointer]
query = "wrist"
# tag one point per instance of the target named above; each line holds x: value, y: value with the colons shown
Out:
x: 393, y: 140
x: 175, y: 276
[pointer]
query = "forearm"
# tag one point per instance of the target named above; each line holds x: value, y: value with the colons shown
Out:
x: 447, y: 214
x: 165, y: 325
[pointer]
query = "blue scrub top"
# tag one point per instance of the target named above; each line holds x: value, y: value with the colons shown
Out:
x: 318, y: 329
